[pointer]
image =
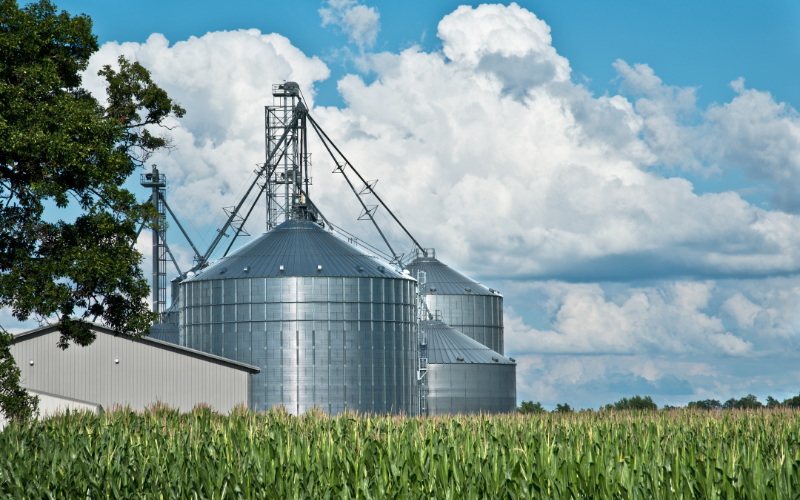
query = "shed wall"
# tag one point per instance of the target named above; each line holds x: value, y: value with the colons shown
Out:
x: 145, y: 374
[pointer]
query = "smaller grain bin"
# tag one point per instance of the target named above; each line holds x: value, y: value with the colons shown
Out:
x: 475, y: 310
x: 463, y: 375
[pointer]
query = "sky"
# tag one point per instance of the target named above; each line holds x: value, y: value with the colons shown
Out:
x: 623, y: 172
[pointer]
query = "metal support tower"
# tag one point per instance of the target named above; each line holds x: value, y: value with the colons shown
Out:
x: 158, y: 182
x: 290, y: 164
x: 422, y: 346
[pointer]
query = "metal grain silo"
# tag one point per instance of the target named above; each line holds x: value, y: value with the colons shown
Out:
x: 472, y: 308
x: 327, y: 324
x: 463, y: 375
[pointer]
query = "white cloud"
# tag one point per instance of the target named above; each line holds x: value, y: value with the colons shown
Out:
x: 759, y: 136
x: 731, y: 345
x: 534, y: 177
x: 224, y: 80
x: 752, y: 133
x: 742, y: 310
x: 528, y: 174
x: 359, y: 22
x: 669, y: 319
x: 596, y: 344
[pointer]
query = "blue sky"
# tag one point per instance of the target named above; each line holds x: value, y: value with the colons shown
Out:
x: 698, y: 44
x: 601, y: 163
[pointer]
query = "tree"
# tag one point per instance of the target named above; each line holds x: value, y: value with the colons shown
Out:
x: 636, y: 403
x: 748, y: 402
x: 563, y: 408
x: 706, y: 404
x: 772, y: 402
x: 58, y: 144
x: 529, y: 407
x: 793, y: 402
x: 15, y: 402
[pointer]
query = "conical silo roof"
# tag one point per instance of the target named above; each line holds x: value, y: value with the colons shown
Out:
x: 301, y: 247
x: 445, y: 279
x: 446, y: 345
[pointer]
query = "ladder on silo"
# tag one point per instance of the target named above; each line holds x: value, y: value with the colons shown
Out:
x: 422, y: 345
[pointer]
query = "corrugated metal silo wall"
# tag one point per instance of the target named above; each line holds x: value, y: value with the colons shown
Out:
x: 480, y: 317
x: 337, y: 343
x: 471, y: 388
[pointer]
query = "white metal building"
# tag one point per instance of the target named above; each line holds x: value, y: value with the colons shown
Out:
x: 125, y: 371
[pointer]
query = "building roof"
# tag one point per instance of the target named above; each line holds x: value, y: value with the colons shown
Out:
x: 300, y: 247
x: 447, y: 280
x: 158, y: 344
x: 446, y: 345
x: 167, y: 332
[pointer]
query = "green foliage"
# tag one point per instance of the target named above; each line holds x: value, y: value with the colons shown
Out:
x: 58, y: 144
x: 706, y: 404
x: 563, y: 408
x: 529, y: 407
x: 131, y: 91
x: 15, y: 402
x: 746, y: 403
x: 164, y: 454
x: 793, y: 402
x: 636, y: 403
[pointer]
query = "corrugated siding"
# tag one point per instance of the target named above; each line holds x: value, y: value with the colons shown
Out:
x: 474, y: 388
x: 145, y: 374
x: 476, y: 313
x: 338, y: 343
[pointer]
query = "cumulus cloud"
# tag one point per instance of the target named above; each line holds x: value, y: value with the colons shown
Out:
x: 752, y: 133
x: 661, y: 320
x: 359, y: 22
x: 759, y: 136
x: 224, y: 80
x: 530, y: 175
x: 742, y: 310
x: 533, y: 176
x: 671, y: 340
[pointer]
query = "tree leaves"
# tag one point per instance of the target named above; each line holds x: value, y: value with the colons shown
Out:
x: 59, y: 144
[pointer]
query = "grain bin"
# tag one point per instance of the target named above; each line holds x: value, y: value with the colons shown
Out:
x: 327, y: 324
x: 463, y: 375
x: 475, y: 310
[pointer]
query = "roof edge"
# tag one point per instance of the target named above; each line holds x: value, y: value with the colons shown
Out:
x: 146, y: 340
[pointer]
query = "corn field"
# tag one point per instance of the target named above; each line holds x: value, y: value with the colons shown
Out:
x: 163, y: 454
